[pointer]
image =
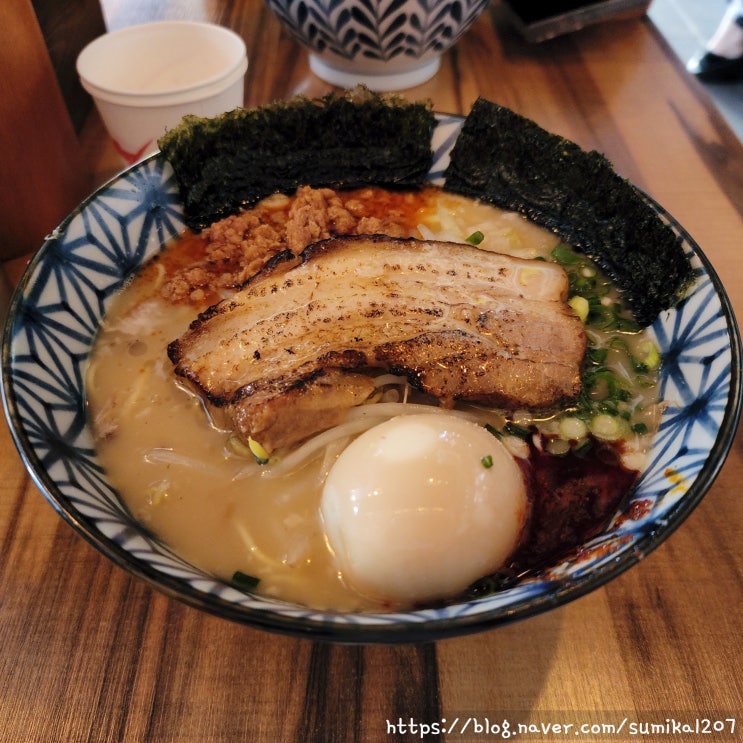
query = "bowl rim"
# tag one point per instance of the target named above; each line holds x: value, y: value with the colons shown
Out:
x: 85, y: 62
x: 562, y: 591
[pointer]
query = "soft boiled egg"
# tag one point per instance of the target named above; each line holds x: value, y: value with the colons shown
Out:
x: 419, y: 507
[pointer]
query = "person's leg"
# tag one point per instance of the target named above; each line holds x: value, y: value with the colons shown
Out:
x: 722, y: 58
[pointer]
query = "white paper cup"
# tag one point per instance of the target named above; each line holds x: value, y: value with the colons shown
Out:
x: 145, y: 78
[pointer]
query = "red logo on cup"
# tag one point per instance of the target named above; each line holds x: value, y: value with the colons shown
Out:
x: 131, y: 157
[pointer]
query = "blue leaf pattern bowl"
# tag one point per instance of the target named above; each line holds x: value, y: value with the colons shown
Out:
x: 54, y: 316
x: 385, y: 44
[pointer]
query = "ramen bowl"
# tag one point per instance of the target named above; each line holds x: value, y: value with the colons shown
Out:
x: 385, y: 44
x: 58, y: 307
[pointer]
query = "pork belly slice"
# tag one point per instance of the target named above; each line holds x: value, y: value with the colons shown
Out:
x: 290, y: 353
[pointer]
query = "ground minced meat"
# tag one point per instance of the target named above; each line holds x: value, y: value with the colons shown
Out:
x: 237, y: 247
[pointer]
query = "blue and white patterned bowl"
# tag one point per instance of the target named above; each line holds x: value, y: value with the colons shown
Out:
x: 385, y: 44
x: 55, y: 313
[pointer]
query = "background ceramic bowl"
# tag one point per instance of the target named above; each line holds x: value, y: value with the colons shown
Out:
x: 54, y: 316
x: 385, y: 44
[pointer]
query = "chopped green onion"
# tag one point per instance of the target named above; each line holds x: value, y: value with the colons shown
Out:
x: 244, y: 581
x: 584, y: 447
x: 602, y: 316
x: 628, y: 325
x: 619, y: 344
x: 573, y: 429
x: 596, y: 356
x: 487, y: 461
x: 513, y: 429
x: 649, y: 355
x: 558, y: 447
x: 476, y: 238
x: 563, y: 255
x: 580, y: 306
x: 157, y: 492
x: 258, y: 451
x: 607, y: 427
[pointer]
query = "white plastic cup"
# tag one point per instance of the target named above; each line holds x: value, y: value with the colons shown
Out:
x: 145, y: 78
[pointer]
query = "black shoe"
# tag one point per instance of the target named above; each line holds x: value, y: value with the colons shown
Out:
x: 711, y: 68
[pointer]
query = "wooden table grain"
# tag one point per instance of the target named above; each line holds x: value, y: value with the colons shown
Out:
x: 89, y: 653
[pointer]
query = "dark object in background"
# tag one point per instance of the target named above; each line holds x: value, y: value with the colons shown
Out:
x: 721, y: 60
x: 712, y: 68
x: 537, y: 20
x: 67, y: 27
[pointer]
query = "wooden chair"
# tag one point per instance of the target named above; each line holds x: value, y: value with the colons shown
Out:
x: 42, y: 171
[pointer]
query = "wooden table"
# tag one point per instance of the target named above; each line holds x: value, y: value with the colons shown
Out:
x: 91, y: 654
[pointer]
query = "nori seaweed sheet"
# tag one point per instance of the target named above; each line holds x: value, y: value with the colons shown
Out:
x: 508, y: 160
x: 235, y: 159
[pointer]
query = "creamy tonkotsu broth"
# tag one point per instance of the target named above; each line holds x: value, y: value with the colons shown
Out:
x: 202, y: 491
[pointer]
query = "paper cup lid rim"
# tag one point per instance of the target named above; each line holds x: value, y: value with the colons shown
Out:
x: 168, y: 97
x: 183, y: 93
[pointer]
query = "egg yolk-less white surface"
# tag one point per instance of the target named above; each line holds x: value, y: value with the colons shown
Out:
x: 412, y: 513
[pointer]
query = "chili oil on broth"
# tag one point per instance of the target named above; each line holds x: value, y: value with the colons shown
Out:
x: 194, y: 485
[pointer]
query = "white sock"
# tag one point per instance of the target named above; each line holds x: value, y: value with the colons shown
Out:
x: 727, y: 41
